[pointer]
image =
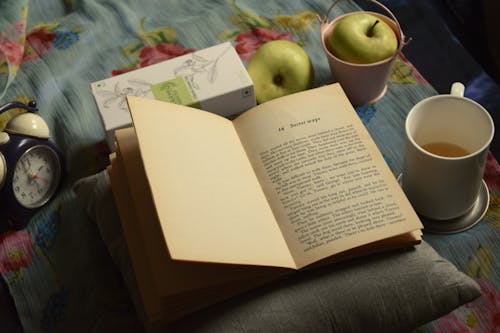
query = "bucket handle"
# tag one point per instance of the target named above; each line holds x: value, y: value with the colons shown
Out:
x: 324, y: 20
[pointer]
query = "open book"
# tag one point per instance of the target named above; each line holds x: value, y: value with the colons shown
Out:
x: 291, y: 183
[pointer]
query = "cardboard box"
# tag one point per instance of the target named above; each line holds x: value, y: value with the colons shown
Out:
x: 213, y: 79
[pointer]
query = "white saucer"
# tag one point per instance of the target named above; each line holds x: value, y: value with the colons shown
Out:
x: 461, y: 223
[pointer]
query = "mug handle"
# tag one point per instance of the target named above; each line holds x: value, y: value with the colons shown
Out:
x: 457, y: 89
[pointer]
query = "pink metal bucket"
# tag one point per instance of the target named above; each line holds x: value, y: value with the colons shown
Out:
x: 362, y: 83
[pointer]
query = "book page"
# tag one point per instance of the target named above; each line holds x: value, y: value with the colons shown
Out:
x: 328, y: 184
x: 149, y: 301
x: 209, y: 203
x: 158, y: 274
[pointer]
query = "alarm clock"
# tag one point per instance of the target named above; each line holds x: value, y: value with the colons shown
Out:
x: 31, y: 166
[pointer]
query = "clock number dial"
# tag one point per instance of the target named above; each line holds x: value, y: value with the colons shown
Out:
x: 36, y: 176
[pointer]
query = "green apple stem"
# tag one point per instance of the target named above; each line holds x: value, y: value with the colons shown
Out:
x: 370, y: 31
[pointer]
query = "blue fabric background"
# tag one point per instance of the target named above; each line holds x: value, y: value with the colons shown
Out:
x: 70, y: 280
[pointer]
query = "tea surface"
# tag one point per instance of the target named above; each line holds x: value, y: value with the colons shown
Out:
x: 445, y: 149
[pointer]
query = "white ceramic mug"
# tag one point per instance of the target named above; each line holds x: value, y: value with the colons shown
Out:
x: 439, y: 184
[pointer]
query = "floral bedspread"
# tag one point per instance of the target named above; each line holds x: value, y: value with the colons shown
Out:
x: 57, y: 270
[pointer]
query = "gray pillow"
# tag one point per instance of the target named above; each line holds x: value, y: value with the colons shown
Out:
x: 395, y: 291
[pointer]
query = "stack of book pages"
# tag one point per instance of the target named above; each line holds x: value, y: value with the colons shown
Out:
x: 211, y: 208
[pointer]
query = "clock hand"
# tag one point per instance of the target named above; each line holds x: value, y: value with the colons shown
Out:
x: 35, y: 176
x: 34, y: 179
x: 26, y: 168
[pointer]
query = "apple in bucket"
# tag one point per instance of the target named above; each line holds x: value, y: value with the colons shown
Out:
x: 363, y: 38
x: 279, y: 68
x: 360, y: 48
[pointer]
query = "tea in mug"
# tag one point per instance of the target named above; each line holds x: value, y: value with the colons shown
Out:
x: 445, y: 149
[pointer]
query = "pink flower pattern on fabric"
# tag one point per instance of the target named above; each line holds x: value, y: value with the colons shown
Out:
x: 11, y: 44
x: 38, y: 43
x: 482, y: 315
x: 16, y: 251
x: 153, y: 54
x: 492, y: 172
x: 249, y: 42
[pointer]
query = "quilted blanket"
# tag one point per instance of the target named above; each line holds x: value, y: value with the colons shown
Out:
x: 58, y: 270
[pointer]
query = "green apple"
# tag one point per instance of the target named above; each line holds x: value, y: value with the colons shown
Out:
x: 279, y: 68
x: 363, y: 38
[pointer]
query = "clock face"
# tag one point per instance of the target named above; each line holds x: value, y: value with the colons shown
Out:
x: 36, y: 176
